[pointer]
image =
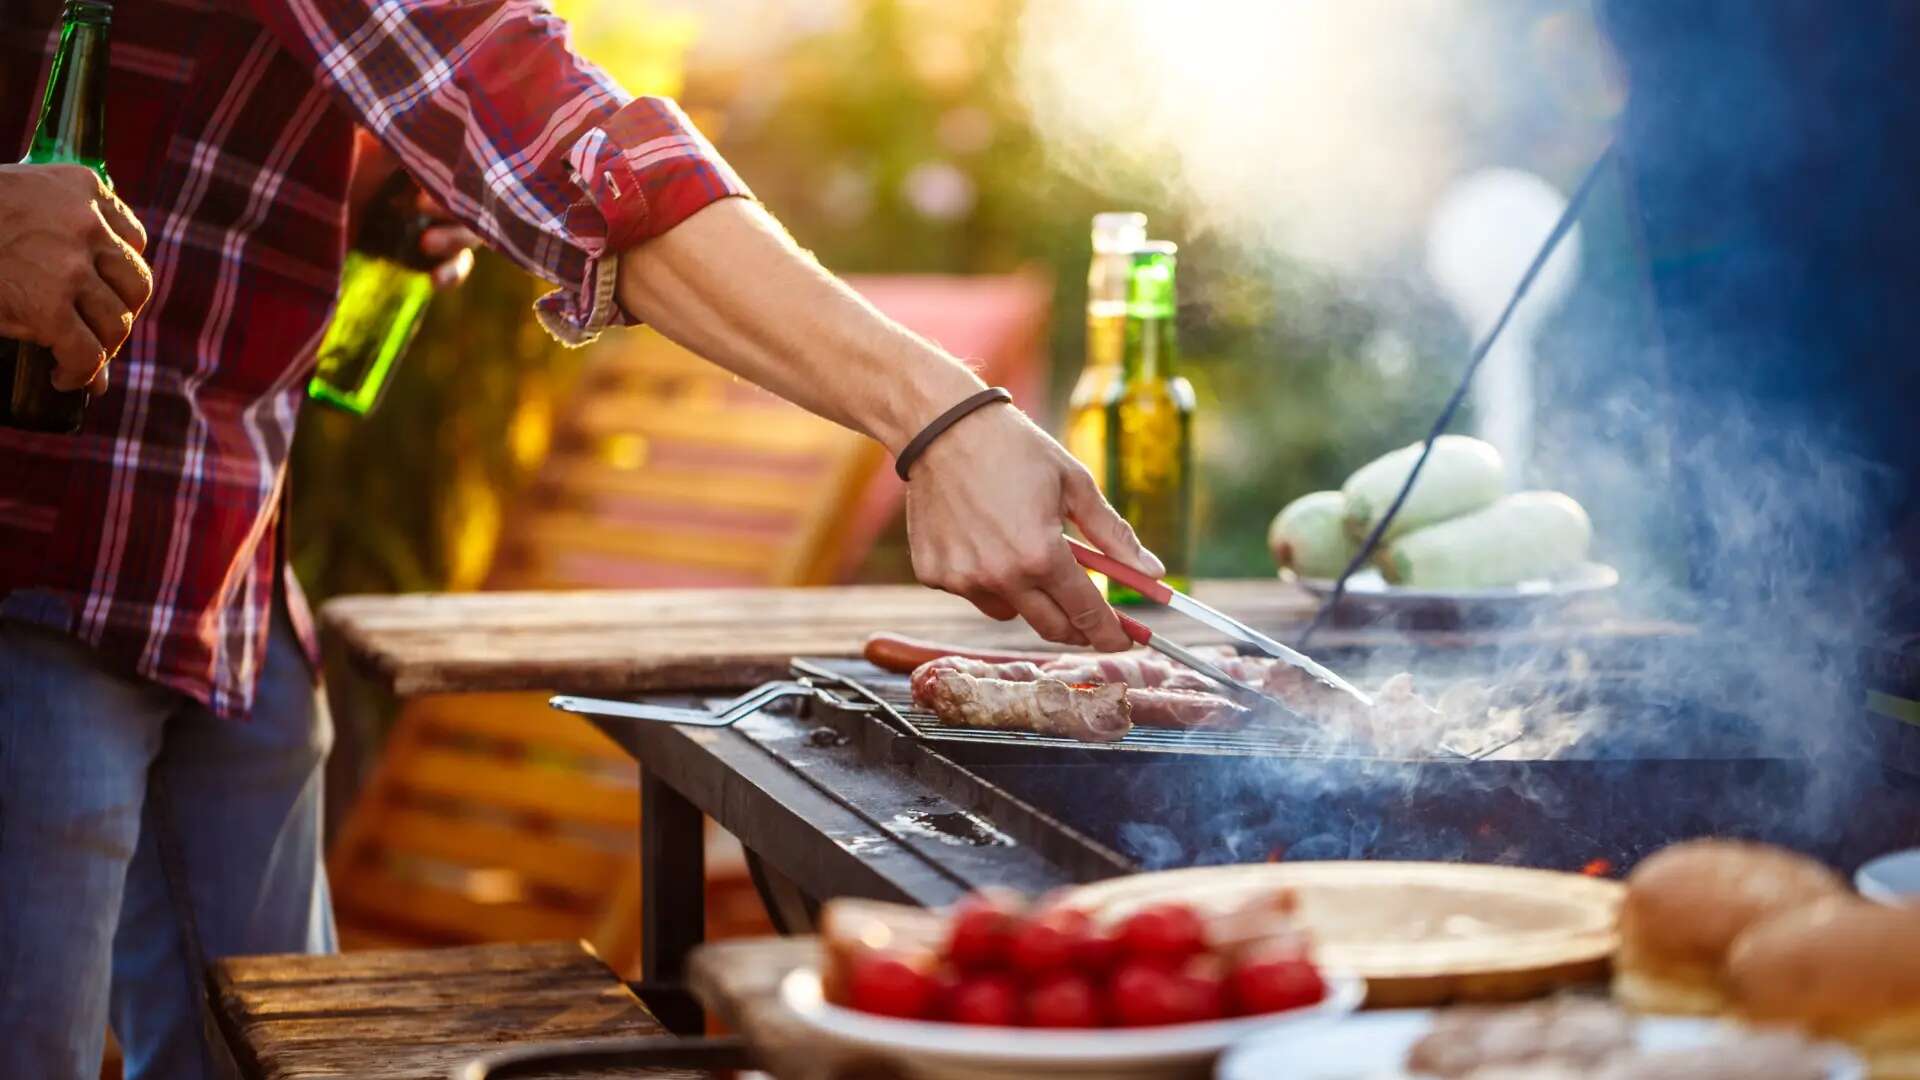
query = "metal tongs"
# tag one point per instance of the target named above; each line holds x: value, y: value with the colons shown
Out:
x: 1161, y: 593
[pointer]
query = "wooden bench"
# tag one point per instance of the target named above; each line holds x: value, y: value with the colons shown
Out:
x: 416, y: 1014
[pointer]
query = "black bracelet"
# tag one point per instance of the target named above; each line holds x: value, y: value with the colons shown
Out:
x: 918, y: 445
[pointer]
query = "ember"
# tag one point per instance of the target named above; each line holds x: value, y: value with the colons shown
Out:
x: 1598, y: 868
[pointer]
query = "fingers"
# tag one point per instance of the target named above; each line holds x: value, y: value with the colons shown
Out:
x: 99, y: 384
x: 1104, y: 528
x: 77, y: 354
x: 454, y: 271
x: 991, y: 605
x: 106, y: 316
x: 119, y: 218
x: 126, y: 273
x: 1045, y: 616
x: 1089, y: 613
x: 443, y: 241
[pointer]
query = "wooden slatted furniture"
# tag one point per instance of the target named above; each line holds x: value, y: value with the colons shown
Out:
x: 669, y: 472
x: 414, y: 1015
x: 492, y: 818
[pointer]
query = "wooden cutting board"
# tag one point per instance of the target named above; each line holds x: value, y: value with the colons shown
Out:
x: 1420, y: 933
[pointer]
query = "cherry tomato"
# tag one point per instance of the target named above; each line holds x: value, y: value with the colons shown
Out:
x: 1098, y: 952
x: 1050, y: 941
x: 1064, y: 1000
x: 887, y: 985
x: 1147, y: 994
x: 1163, y: 934
x: 1274, y: 983
x: 980, y: 937
x: 985, y: 999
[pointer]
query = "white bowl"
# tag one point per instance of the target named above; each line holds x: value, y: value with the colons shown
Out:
x: 942, y: 1051
x: 1891, y: 879
x: 1375, y: 1044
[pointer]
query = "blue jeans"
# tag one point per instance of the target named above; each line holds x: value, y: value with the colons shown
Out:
x: 129, y: 817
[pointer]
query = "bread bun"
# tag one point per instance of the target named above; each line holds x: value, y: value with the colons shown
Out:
x: 1841, y: 969
x: 1686, y: 904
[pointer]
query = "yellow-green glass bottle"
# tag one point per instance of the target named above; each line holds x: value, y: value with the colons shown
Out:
x: 1115, y: 236
x: 385, y: 286
x: 72, y: 130
x: 1149, y: 414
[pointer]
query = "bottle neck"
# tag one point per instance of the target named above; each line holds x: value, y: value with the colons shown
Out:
x: 1152, y: 348
x: 72, y: 125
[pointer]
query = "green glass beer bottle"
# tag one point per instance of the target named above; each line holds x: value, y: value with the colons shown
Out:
x: 1115, y: 236
x: 72, y: 130
x: 1150, y: 423
x: 384, y: 289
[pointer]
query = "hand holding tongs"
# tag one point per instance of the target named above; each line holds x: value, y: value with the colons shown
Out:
x: 1161, y: 593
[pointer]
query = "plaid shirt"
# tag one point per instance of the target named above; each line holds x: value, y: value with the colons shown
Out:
x: 153, y: 535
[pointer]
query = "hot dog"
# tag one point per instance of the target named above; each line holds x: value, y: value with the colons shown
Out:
x: 899, y: 654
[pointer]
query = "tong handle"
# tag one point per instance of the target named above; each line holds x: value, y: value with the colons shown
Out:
x: 1135, y: 629
x: 1101, y: 562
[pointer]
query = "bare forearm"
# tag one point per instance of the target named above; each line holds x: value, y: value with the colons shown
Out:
x: 730, y: 284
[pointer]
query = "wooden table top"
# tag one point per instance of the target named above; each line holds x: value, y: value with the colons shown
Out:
x: 607, y: 642
x: 415, y: 1014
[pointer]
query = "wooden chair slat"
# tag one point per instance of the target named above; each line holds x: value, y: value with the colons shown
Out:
x: 517, y: 719
x: 549, y: 858
x: 449, y: 915
x: 580, y: 532
x: 558, y: 794
x: 715, y: 486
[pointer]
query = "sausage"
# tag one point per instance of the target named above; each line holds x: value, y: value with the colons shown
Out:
x: 895, y: 653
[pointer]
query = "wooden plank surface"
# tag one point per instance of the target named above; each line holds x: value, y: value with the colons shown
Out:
x: 609, y: 642
x: 414, y: 1015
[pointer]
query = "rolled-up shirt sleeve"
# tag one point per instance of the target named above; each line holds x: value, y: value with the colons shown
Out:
x: 528, y: 144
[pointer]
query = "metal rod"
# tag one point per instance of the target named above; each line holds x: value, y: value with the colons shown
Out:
x: 1559, y: 231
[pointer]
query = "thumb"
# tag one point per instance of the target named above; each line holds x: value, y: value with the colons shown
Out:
x: 1103, y: 526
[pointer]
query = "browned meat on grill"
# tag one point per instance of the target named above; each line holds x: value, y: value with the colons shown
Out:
x: 1171, y: 702
x: 1165, y: 694
x: 1044, y: 706
x: 1135, y: 669
x: 1187, y: 710
x: 1013, y: 671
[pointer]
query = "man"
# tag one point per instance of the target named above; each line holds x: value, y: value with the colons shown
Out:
x: 160, y: 744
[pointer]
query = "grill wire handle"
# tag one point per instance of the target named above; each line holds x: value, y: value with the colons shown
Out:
x: 1552, y: 243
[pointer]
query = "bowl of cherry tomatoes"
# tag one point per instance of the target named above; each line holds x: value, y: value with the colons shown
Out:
x: 996, y: 987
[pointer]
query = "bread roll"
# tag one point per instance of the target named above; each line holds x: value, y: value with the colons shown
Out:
x: 1684, y: 907
x: 1841, y: 969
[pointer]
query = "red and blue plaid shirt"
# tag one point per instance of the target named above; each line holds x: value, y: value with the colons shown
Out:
x: 153, y: 534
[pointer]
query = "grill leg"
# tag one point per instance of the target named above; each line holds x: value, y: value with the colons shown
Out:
x: 673, y: 900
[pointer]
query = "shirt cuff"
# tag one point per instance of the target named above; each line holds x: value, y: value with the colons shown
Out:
x: 644, y: 171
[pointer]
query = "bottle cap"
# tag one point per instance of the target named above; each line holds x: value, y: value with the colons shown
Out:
x: 1118, y: 231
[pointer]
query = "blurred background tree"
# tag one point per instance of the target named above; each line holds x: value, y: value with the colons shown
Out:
x: 903, y: 136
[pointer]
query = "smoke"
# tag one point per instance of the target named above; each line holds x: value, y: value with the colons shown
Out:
x: 1737, y: 495
x: 1323, y: 130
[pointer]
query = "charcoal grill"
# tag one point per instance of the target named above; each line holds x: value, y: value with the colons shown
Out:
x: 845, y: 788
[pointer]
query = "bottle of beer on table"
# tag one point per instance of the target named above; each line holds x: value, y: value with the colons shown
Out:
x: 1149, y: 420
x: 384, y: 289
x: 72, y: 130
x: 1115, y: 236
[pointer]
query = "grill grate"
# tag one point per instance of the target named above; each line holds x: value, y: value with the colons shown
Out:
x: 891, y: 694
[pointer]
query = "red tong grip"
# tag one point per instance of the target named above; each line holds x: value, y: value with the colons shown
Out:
x: 1101, y: 562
